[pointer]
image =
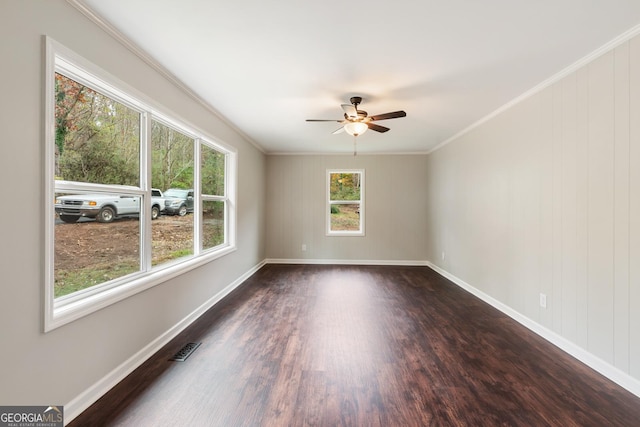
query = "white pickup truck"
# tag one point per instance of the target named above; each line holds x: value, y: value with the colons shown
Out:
x: 105, y: 207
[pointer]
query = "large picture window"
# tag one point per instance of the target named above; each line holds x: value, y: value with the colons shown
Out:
x: 132, y: 191
x: 345, y: 202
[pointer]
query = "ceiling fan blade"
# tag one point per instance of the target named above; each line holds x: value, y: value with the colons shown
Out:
x: 377, y: 128
x: 350, y: 110
x: 322, y: 120
x: 393, y: 115
x: 339, y: 130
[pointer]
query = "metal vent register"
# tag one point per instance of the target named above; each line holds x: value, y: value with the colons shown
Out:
x: 185, y: 351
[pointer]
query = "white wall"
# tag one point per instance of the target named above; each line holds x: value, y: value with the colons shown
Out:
x: 57, y: 367
x: 395, y: 202
x: 545, y: 198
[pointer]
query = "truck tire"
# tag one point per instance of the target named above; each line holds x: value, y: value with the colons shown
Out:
x: 106, y: 214
x: 155, y: 212
x: 183, y: 210
x: 69, y: 219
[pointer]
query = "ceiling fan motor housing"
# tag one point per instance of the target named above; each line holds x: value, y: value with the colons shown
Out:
x: 361, y: 115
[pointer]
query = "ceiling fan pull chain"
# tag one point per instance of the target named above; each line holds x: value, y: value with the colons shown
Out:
x: 355, y: 138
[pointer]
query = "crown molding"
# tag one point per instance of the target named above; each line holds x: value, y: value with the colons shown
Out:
x: 622, y: 38
x: 350, y: 154
x: 149, y: 60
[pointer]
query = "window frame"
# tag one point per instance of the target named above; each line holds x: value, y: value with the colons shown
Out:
x: 211, y: 197
x: 65, y: 309
x: 355, y: 233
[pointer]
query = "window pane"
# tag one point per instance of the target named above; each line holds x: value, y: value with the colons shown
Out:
x: 345, y: 217
x: 172, y: 174
x: 172, y: 156
x: 344, y: 186
x: 97, y: 139
x: 212, y: 171
x: 92, y: 245
x: 212, y: 223
x: 172, y: 238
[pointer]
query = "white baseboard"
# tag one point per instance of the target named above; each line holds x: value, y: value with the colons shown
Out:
x: 345, y: 262
x: 611, y: 372
x: 93, y: 393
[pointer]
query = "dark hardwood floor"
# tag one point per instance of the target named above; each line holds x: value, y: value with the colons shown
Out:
x: 309, y: 345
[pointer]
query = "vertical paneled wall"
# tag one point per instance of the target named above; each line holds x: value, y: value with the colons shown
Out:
x: 545, y: 198
x: 633, y: 304
x: 395, y: 203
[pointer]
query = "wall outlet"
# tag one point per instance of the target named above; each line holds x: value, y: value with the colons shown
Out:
x: 304, y: 247
x: 543, y: 300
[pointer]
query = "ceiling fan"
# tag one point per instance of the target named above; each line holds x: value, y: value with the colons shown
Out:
x: 356, y: 122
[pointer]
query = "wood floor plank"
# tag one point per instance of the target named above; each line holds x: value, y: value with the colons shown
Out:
x: 309, y: 345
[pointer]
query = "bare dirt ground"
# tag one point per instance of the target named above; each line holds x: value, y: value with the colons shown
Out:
x: 89, y: 243
x: 347, y: 220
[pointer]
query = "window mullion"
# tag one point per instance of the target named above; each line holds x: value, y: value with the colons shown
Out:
x: 197, y: 198
x: 145, y: 183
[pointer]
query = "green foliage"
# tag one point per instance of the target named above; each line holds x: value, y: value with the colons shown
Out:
x: 97, y: 138
x: 181, y: 253
x: 70, y: 281
x: 172, y: 158
x: 98, y: 141
x: 345, y: 186
x: 62, y: 110
x: 184, y: 179
x: 97, y: 162
x: 335, y: 209
x: 212, y: 169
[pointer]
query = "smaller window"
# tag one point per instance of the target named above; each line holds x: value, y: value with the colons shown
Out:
x: 215, y: 204
x: 345, y: 202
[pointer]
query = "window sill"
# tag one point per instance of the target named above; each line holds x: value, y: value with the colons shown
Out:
x: 62, y: 313
x: 345, y: 233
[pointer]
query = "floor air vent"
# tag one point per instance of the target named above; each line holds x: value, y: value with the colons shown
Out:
x: 185, y: 351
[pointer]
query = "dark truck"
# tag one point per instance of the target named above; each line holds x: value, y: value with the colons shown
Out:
x: 178, y: 201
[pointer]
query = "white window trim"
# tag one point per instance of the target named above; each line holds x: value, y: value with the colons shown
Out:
x: 67, y: 309
x: 329, y: 202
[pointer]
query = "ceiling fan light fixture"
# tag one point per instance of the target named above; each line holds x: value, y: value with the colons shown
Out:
x: 356, y: 128
x: 356, y: 122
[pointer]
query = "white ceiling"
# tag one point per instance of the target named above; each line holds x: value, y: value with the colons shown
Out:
x: 266, y: 66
